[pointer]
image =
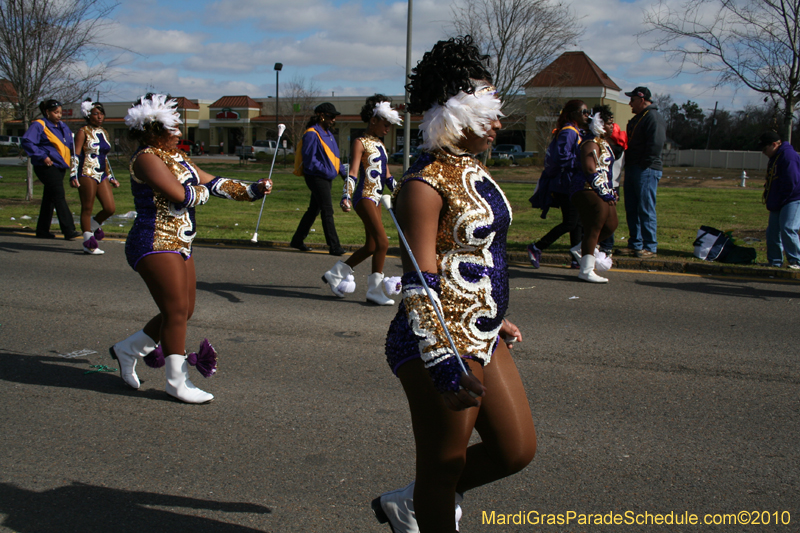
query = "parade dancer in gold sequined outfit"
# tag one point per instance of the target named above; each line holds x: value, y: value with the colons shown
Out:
x: 369, y: 174
x: 167, y: 186
x: 91, y: 173
x: 455, y: 219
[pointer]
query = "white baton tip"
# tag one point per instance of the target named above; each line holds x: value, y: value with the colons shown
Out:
x: 386, y: 200
x: 281, y: 129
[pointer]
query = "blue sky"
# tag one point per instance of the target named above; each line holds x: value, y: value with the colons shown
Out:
x: 210, y: 48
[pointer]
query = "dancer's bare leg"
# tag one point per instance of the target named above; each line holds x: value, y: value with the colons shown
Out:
x: 376, y: 243
x: 444, y: 463
x: 172, y: 284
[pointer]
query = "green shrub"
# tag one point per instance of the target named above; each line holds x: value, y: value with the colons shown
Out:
x: 525, y: 161
x: 262, y: 156
x: 502, y: 162
x: 490, y: 162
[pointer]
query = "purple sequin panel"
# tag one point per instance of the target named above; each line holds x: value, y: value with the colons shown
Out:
x: 402, y: 345
x: 498, y: 275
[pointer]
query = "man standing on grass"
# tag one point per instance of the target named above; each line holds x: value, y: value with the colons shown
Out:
x: 646, y: 134
x: 782, y: 196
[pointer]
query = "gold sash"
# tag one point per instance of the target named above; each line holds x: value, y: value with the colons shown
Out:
x: 63, y: 150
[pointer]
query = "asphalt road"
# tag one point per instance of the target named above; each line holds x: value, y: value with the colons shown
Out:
x: 654, y: 394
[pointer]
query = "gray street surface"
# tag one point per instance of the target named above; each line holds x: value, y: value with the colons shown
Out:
x: 654, y: 394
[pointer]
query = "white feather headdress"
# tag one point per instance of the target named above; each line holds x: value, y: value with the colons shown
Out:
x: 596, y: 125
x: 384, y: 110
x: 444, y: 125
x: 158, y: 109
x: 86, y: 107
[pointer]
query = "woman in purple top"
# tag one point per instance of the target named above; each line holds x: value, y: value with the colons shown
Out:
x: 321, y: 165
x: 561, y: 163
x: 455, y: 218
x: 92, y: 174
x: 49, y: 145
x: 369, y: 173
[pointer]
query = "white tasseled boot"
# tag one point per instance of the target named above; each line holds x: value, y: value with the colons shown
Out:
x: 340, y: 279
x: 97, y: 230
x: 576, y: 252
x: 178, y: 384
x: 375, y: 292
x: 127, y: 351
x: 397, y: 508
x: 587, y: 270
x: 90, y: 245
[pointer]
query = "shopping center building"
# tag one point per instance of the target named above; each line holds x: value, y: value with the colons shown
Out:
x: 220, y: 125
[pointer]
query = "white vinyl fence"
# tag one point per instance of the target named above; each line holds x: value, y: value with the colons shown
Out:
x: 715, y: 159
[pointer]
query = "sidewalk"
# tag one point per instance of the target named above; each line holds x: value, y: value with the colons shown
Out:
x: 672, y: 264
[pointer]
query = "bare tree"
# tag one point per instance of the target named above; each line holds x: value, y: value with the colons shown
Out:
x: 49, y: 49
x: 751, y: 42
x: 297, y: 107
x: 521, y: 37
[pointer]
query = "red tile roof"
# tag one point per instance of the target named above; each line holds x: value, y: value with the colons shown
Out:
x: 235, y: 102
x: 572, y: 69
x: 185, y: 103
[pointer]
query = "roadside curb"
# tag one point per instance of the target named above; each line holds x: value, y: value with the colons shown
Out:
x: 676, y: 265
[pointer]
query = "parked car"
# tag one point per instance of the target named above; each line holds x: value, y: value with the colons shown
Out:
x: 188, y: 147
x: 9, y: 140
x: 510, y: 151
x: 397, y: 157
x: 267, y: 147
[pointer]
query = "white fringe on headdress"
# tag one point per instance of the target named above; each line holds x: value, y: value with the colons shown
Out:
x: 86, y: 108
x: 596, y: 125
x: 159, y: 109
x: 384, y: 110
x: 443, y: 125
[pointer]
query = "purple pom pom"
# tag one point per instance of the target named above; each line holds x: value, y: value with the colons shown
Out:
x: 205, y: 360
x: 155, y: 359
x: 99, y: 234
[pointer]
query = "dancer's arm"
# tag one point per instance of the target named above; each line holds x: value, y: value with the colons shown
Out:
x: 75, y: 171
x: 234, y: 189
x: 596, y: 179
x: 418, y: 209
x: 510, y: 333
x: 356, y: 151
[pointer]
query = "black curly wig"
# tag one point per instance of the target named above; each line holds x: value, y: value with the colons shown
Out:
x: 606, y: 114
x: 444, y: 71
x: 369, y: 107
x: 152, y: 130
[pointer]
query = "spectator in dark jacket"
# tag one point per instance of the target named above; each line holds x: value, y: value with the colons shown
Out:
x: 646, y: 134
x: 782, y: 196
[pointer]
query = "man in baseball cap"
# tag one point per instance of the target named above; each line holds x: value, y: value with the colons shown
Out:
x: 782, y: 197
x: 647, y: 132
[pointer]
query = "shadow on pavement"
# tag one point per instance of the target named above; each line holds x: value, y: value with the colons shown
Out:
x: 228, y: 290
x: 734, y: 288
x: 38, y: 245
x: 83, y: 507
x: 54, y: 371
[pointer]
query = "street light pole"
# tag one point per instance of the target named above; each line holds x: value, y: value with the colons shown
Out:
x: 407, y: 120
x: 278, y: 68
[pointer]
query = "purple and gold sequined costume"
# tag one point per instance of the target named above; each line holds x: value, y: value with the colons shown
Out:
x: 93, y: 159
x: 599, y: 182
x: 471, y: 278
x: 162, y: 225
x: 373, y: 174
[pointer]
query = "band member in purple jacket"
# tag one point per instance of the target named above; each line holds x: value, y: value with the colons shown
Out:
x: 49, y: 144
x: 782, y: 196
x: 321, y: 164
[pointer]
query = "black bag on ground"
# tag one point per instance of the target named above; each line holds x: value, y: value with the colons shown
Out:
x: 712, y: 244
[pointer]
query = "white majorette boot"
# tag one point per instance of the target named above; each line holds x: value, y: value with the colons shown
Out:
x: 178, y: 384
x: 587, y: 270
x: 128, y: 351
x: 340, y: 279
x: 397, y: 508
x: 97, y: 231
x: 90, y: 245
x: 576, y: 252
x: 375, y: 292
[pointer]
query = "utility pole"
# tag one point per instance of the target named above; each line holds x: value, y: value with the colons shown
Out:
x: 711, y: 125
